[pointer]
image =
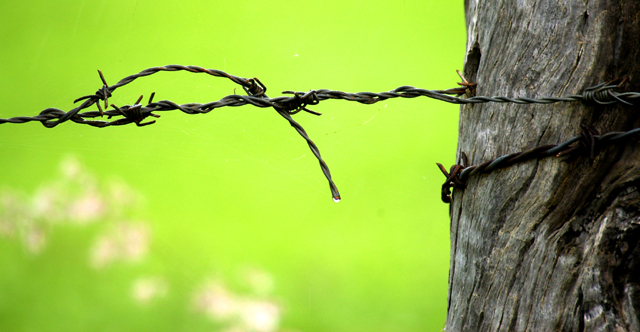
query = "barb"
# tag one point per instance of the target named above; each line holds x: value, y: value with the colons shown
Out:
x: 588, y: 142
x: 136, y: 113
x: 603, y: 94
x: 600, y: 94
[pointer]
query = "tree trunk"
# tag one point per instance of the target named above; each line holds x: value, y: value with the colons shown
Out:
x: 547, y: 245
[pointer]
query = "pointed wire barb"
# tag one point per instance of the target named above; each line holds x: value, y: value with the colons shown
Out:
x: 603, y: 94
x: 588, y: 142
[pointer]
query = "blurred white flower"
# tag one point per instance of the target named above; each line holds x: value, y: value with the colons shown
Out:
x: 215, y: 300
x: 35, y: 239
x: 74, y: 196
x: 135, y: 241
x: 104, y: 251
x: 260, y: 316
x: 240, y: 313
x: 147, y: 289
x: 87, y: 208
x: 70, y: 167
x: 128, y: 242
x: 12, y: 211
x: 48, y: 204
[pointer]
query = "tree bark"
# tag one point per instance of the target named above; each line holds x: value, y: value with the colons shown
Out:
x: 547, y: 245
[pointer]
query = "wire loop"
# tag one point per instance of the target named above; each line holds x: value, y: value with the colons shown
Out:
x: 456, y: 177
x: 299, y: 103
x: 253, y: 89
x: 589, y: 143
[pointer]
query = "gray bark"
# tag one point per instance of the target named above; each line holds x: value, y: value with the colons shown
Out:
x: 547, y: 245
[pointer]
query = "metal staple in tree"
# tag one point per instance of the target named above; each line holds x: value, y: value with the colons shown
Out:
x: 588, y: 141
x: 286, y: 106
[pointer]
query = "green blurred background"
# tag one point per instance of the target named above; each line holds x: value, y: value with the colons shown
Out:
x: 224, y: 221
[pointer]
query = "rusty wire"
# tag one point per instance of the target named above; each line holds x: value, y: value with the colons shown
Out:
x: 588, y: 142
x: 136, y: 113
x: 602, y: 94
x: 286, y: 106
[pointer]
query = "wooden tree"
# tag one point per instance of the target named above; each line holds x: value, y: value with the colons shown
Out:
x: 547, y: 245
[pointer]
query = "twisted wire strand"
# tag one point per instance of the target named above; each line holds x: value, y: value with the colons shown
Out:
x: 251, y: 86
x: 602, y: 94
x: 603, y: 97
x: 287, y: 106
x: 314, y: 149
x: 589, y: 140
x: 194, y: 69
x: 295, y: 104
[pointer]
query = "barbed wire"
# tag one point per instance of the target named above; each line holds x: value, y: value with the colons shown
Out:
x: 136, y: 113
x: 588, y: 141
x: 601, y: 94
x: 286, y: 106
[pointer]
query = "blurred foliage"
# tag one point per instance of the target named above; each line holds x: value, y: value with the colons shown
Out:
x: 224, y: 221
